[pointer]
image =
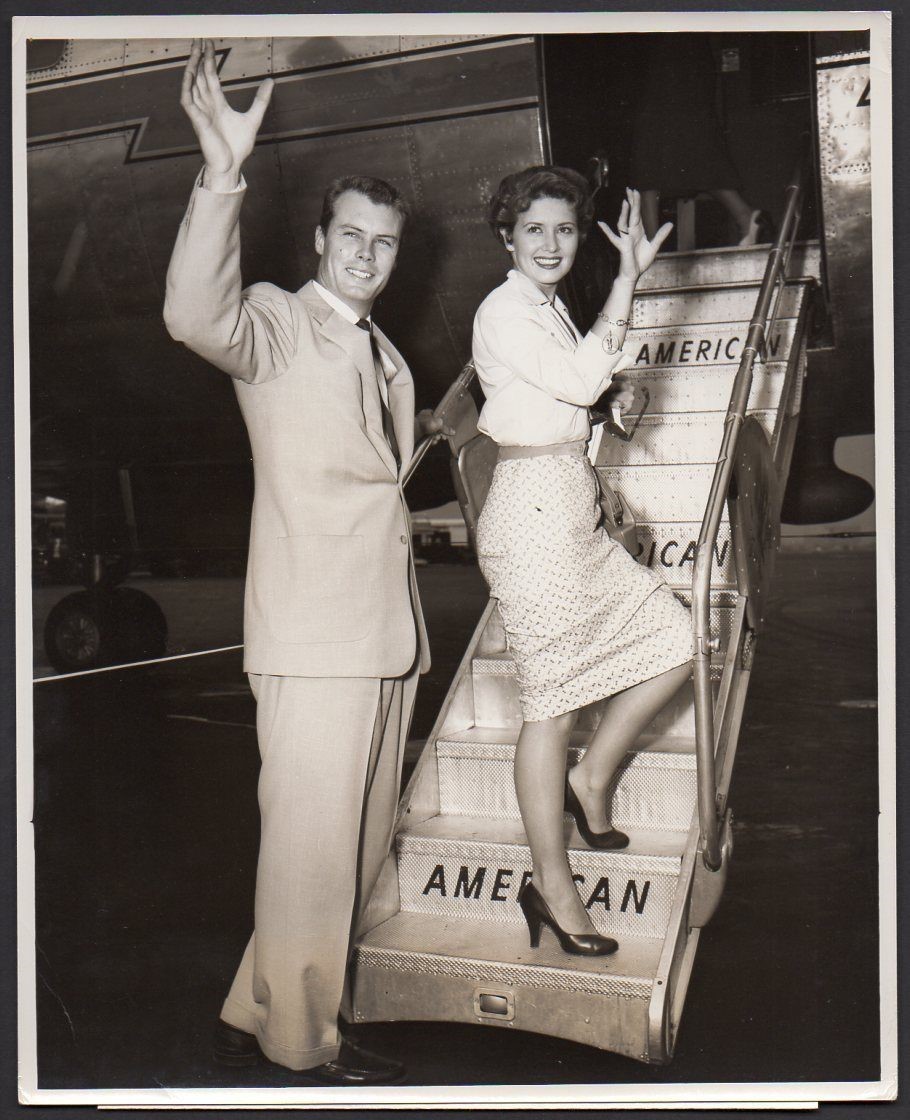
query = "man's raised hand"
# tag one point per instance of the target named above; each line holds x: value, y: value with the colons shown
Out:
x: 225, y: 136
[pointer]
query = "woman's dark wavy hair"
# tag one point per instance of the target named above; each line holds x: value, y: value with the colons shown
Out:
x: 516, y: 192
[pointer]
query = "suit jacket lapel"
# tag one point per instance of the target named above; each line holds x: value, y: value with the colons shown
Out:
x: 401, y: 397
x: 356, y: 344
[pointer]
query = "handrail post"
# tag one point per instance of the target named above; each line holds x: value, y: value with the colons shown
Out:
x: 703, y: 645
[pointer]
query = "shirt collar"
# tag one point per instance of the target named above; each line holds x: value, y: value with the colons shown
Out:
x: 531, y: 292
x: 338, y: 304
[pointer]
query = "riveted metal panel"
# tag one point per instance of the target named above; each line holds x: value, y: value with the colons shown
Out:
x: 418, y: 966
x: 478, y: 880
x: 844, y: 95
x: 692, y: 350
x: 726, y: 265
x: 661, y: 493
x: 690, y: 437
x: 701, y: 306
x: 704, y: 388
x: 611, y: 1022
x: 669, y: 547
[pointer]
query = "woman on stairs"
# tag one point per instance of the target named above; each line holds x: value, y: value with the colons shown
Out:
x: 583, y: 620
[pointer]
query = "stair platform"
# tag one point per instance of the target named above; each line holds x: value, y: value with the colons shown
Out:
x: 434, y: 967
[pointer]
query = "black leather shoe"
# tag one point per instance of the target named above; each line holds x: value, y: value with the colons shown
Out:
x: 234, y: 1047
x: 538, y: 914
x: 611, y: 840
x: 356, y: 1066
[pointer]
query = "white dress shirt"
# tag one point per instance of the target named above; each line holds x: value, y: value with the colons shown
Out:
x: 537, y: 376
x: 338, y: 304
x: 352, y: 317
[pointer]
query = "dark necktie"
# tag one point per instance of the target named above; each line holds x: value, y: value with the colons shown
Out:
x: 388, y: 427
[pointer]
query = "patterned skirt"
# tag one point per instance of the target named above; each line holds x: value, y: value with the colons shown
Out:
x: 583, y: 620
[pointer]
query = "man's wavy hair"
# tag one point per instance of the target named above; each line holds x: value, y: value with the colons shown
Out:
x: 516, y: 192
x: 376, y: 190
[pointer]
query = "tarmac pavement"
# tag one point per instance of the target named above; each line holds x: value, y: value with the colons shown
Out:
x: 146, y: 830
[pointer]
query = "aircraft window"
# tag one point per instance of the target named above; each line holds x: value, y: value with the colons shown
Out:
x: 42, y: 54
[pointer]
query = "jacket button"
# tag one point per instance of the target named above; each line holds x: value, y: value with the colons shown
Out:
x: 404, y: 539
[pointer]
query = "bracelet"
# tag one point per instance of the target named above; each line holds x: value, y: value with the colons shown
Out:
x: 615, y: 322
x: 608, y: 346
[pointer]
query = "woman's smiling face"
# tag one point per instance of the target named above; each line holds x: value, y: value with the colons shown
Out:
x: 544, y: 242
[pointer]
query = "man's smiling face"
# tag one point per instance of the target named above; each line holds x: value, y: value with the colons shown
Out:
x: 358, y: 251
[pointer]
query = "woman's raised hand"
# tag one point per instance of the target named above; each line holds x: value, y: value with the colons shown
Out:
x: 225, y: 136
x: 636, y: 252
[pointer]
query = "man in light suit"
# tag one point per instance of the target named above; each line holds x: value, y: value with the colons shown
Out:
x: 333, y: 632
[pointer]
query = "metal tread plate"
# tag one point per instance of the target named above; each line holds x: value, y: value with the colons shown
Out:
x: 651, y: 790
x: 502, y: 665
x: 712, y: 304
x: 499, y: 743
x: 462, y: 744
x: 483, y: 952
x: 650, y: 850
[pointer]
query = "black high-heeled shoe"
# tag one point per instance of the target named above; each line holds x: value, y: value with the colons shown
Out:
x: 538, y: 914
x: 611, y: 840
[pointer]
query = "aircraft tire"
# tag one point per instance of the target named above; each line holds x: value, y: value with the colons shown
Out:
x: 138, y: 625
x: 74, y: 634
x: 88, y: 629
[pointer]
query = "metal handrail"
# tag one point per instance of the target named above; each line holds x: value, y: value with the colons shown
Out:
x: 452, y: 395
x: 704, y: 645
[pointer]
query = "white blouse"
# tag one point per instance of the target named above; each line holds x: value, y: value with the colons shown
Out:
x: 537, y: 376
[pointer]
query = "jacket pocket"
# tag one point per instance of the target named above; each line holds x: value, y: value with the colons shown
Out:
x: 321, y: 590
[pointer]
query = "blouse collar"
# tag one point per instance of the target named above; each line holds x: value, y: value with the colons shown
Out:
x: 531, y: 292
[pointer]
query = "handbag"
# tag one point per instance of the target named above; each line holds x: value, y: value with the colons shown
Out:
x: 618, y: 519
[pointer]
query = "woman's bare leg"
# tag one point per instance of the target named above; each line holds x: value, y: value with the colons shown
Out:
x: 625, y: 716
x: 540, y: 767
x: 650, y: 211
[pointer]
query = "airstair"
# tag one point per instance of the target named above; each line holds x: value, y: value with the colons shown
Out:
x: 443, y: 936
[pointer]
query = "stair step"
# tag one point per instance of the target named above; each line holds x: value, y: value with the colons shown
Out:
x: 474, y: 868
x: 726, y: 265
x: 669, y: 548
x: 692, y: 349
x: 664, y: 493
x: 702, y: 388
x: 456, y: 945
x: 654, y: 789
x: 433, y: 967
x: 708, y: 305
x: 496, y: 699
x: 660, y: 440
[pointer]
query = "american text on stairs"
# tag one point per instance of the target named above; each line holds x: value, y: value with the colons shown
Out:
x: 503, y: 885
x: 714, y: 347
x: 675, y: 554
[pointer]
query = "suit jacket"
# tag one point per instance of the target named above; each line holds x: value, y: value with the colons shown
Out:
x: 330, y: 587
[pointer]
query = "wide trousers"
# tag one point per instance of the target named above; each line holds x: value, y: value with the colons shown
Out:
x: 332, y: 750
